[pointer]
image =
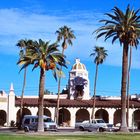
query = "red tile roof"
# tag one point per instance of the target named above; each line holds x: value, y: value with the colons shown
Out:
x: 76, y: 103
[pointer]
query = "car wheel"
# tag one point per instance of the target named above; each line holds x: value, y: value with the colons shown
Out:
x: 101, y: 130
x: 89, y: 130
x: 81, y: 128
x: 26, y: 129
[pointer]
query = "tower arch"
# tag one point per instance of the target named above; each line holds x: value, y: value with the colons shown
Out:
x: 25, y: 111
x: 2, y: 117
x: 80, y: 117
x: 136, y: 115
x: 117, y: 117
x: 64, y: 117
x: 102, y: 114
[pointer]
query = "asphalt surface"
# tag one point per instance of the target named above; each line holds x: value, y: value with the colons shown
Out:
x: 67, y: 131
x: 60, y: 131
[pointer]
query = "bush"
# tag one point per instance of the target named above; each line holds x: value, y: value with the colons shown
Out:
x: 12, y: 124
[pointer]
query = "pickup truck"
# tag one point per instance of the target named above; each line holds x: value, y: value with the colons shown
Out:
x: 94, y: 125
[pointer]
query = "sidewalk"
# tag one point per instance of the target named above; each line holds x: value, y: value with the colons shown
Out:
x: 8, y: 129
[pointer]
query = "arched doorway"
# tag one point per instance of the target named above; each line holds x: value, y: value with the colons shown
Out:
x: 64, y: 117
x: 117, y: 117
x: 47, y: 112
x: 136, y: 116
x: 81, y: 115
x: 102, y: 114
x: 2, y: 117
x: 25, y: 111
x: 79, y: 91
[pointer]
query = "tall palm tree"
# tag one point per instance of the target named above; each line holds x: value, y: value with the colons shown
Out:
x: 128, y: 80
x: 100, y: 54
x: 125, y: 27
x: 46, y: 57
x: 128, y: 84
x: 66, y: 34
x: 22, y: 44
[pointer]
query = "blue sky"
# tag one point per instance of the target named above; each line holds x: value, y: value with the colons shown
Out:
x: 34, y: 19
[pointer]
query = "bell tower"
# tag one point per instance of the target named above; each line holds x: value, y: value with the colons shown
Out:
x: 78, y: 81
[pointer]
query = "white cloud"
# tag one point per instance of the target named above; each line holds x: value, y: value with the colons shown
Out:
x: 16, y: 24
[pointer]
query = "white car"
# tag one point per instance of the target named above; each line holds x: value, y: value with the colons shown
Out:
x: 94, y: 125
x: 30, y: 122
x: 77, y: 124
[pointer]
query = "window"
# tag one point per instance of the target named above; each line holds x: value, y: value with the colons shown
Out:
x: 100, y: 121
x: 48, y: 120
x: 80, y: 74
x: 72, y: 74
x: 34, y: 119
x: 93, y: 121
x: 27, y: 121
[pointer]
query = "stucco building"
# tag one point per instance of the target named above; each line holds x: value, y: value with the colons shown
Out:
x: 75, y: 103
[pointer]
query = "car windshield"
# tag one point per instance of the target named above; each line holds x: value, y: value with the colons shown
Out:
x: 100, y: 121
x: 48, y: 120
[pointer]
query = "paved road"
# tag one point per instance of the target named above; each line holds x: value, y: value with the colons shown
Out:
x: 60, y: 131
x: 12, y: 129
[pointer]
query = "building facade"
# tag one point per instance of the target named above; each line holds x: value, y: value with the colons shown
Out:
x: 75, y: 103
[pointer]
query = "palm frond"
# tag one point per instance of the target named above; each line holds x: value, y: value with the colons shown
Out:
x: 66, y: 34
x: 99, y: 53
x: 122, y: 26
x: 54, y: 74
x: 24, y: 66
x: 114, y: 38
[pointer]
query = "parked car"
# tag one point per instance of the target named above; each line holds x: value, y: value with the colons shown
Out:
x: 30, y: 122
x: 94, y: 125
x: 110, y: 128
x: 77, y: 124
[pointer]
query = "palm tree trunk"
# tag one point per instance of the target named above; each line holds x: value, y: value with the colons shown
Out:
x: 40, y: 101
x: 58, y: 100
x: 123, y: 127
x: 128, y: 84
x: 21, y: 102
x: 94, y: 96
x: 58, y: 97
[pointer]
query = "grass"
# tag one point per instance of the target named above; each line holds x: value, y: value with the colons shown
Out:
x: 70, y: 137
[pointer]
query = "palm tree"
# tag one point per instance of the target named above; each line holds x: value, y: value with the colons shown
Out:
x: 128, y: 81
x: 46, y: 57
x: 22, y: 44
x: 125, y: 27
x: 128, y: 84
x: 100, y: 54
x: 66, y: 34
